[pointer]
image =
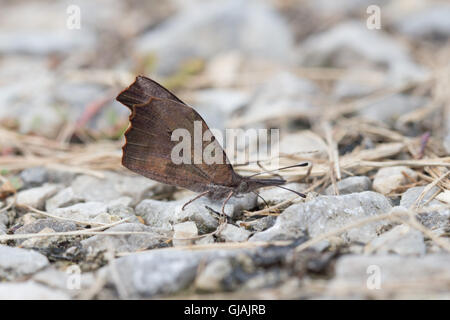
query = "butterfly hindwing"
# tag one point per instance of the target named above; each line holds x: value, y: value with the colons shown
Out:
x: 149, y: 142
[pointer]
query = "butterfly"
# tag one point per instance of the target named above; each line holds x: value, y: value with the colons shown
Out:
x: 155, y: 114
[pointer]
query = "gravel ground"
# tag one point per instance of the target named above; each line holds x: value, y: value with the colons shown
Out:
x: 367, y: 107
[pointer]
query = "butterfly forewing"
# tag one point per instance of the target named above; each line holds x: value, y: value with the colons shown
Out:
x: 149, y: 142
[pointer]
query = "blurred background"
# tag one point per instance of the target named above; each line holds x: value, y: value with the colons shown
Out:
x: 359, y: 88
x: 289, y: 64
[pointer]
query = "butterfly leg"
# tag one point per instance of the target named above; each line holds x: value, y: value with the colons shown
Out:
x: 225, y: 202
x: 192, y: 200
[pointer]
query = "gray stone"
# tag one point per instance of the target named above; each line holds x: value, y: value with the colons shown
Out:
x: 41, y: 224
x: 446, y: 138
x: 44, y: 120
x: 64, y: 198
x: 34, y: 177
x: 431, y: 22
x: 259, y: 224
x: 149, y: 238
x: 163, y: 214
x: 351, y: 185
x: 36, y: 197
x: 98, y: 211
x: 82, y: 211
x: 389, y: 109
x: 29, y: 290
x: 4, y: 220
x: 350, y: 42
x: 388, y: 179
x: 205, y: 240
x: 327, y: 213
x: 350, y: 86
x: 41, y: 35
x: 284, y: 94
x: 277, y: 195
x: 231, y: 233
x: 437, y: 215
x: 172, y: 270
x: 63, y: 280
x: 418, y: 277
x: 159, y: 213
x: 115, y: 185
x: 400, y: 240
x: 212, y: 277
x: 251, y: 27
x: 267, y: 279
x: 17, y: 262
x: 183, y: 232
x: 225, y: 101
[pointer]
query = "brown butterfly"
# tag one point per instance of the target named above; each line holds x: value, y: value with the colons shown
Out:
x: 155, y: 114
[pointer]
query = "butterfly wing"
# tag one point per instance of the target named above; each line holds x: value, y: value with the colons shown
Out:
x: 142, y: 90
x: 149, y: 145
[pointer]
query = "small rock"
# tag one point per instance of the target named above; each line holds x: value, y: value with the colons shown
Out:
x: 37, y: 176
x: 163, y: 214
x: 34, y: 121
x: 267, y: 279
x: 327, y: 213
x: 212, y: 278
x: 38, y: 225
x: 431, y: 23
x: 251, y: 27
x: 127, y: 242
x: 400, y: 240
x: 48, y: 223
x: 278, y: 195
x: 225, y: 101
x: 352, y: 42
x: 82, y: 211
x: 42, y: 242
x: 231, y: 233
x: 96, y: 211
x: 350, y: 85
x: 444, y: 196
x: 232, y: 208
x: 351, y: 185
x: 224, y: 69
x: 171, y: 270
x: 389, y: 179
x: 29, y: 290
x: 4, y: 220
x: 437, y: 215
x: 284, y: 94
x: 17, y: 262
x: 184, y: 231
x: 64, y: 198
x: 389, y: 109
x: 159, y: 213
x: 358, y: 274
x: 114, y: 186
x: 61, y: 280
x: 303, y: 142
x: 36, y: 197
x: 259, y: 224
x: 34, y: 177
x: 121, y: 202
x: 207, y: 239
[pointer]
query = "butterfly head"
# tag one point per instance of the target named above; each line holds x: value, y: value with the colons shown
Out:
x: 249, y: 185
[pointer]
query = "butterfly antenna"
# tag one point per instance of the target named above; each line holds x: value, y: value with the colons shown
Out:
x: 304, y: 164
x: 261, y: 166
x: 297, y: 193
